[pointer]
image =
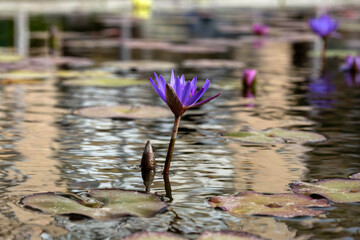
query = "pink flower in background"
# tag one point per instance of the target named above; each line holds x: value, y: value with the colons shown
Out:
x: 260, y: 29
x: 248, y: 77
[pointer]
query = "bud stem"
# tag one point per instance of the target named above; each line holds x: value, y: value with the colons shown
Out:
x: 171, y: 145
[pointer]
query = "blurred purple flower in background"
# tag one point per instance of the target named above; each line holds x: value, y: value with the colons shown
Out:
x: 180, y: 95
x: 260, y: 29
x: 352, y: 79
x: 352, y: 64
x: 323, y: 26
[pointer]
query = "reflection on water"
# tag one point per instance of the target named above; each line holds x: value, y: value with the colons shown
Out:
x: 44, y: 147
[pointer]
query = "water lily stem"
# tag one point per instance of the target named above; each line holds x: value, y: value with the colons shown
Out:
x: 323, y: 55
x: 171, y: 145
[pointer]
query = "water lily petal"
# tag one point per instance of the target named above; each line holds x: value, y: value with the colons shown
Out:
x: 158, y: 91
x: 206, y: 101
x: 185, y: 92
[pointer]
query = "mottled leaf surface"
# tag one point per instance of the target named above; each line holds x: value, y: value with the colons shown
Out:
x: 281, y: 205
x: 102, y: 204
x: 336, y: 190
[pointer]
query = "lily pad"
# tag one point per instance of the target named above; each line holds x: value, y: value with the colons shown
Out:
x: 280, y: 205
x: 334, y: 53
x: 124, y: 112
x: 228, y: 235
x: 275, y: 135
x: 355, y: 176
x: 153, y: 236
x: 105, y: 82
x: 336, y: 190
x: 83, y: 74
x: 25, y: 75
x: 9, y: 58
x: 294, y: 136
x: 101, y: 204
x: 253, y: 137
x: 212, y: 63
x: 139, y: 66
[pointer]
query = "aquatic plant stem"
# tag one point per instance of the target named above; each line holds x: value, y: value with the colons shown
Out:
x: 323, y: 54
x: 171, y: 145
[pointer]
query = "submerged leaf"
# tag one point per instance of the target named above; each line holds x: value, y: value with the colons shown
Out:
x: 275, y: 135
x: 336, y: 190
x: 102, y: 204
x: 279, y: 205
x: 124, y: 112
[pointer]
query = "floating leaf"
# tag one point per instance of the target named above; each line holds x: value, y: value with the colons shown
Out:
x: 153, y: 236
x: 275, y: 135
x: 102, y: 204
x: 253, y: 137
x: 124, y: 112
x: 67, y: 62
x: 228, y: 235
x: 355, y: 176
x: 334, y: 53
x: 336, y: 190
x: 139, y: 66
x: 294, y: 136
x: 280, y: 205
x: 83, y: 74
x: 9, y: 58
x: 212, y: 63
x: 22, y: 75
x: 105, y: 82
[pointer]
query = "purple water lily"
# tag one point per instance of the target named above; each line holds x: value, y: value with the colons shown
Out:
x: 323, y: 26
x: 260, y: 29
x: 180, y: 95
x: 352, y: 64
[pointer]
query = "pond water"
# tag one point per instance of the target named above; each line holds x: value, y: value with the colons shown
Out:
x: 45, y: 147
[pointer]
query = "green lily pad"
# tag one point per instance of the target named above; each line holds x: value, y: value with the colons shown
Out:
x: 105, y: 82
x: 253, y: 137
x: 101, y: 204
x: 334, y: 53
x: 228, y: 235
x: 9, y: 58
x: 336, y: 190
x: 140, y: 66
x: 153, y: 236
x: 294, y: 136
x: 280, y: 205
x: 83, y: 74
x: 22, y: 75
x: 124, y: 112
x: 275, y: 135
x: 212, y: 63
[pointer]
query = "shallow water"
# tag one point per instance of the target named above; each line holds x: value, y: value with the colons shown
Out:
x: 45, y: 147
